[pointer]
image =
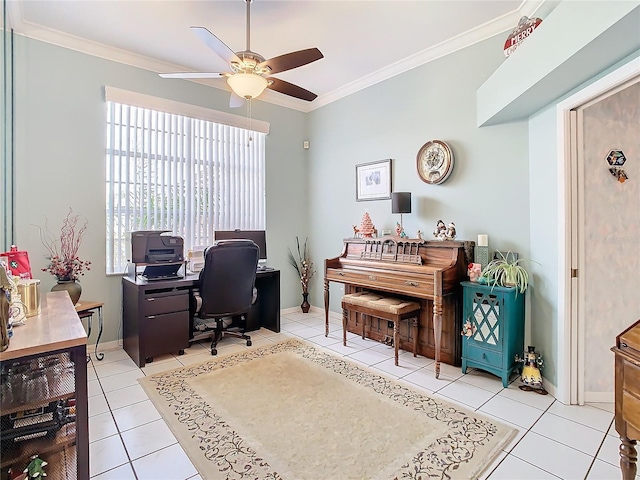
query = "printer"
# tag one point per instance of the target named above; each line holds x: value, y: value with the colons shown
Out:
x: 152, y: 247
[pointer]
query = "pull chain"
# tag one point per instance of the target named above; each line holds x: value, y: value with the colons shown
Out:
x: 249, y: 116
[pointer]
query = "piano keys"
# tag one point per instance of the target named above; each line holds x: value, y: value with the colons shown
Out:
x: 428, y: 272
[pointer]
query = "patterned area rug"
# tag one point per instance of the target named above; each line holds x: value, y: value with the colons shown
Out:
x: 292, y: 411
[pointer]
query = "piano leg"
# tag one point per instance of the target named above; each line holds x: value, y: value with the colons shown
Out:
x: 437, y: 329
x: 345, y: 317
x: 326, y: 308
x: 628, y: 458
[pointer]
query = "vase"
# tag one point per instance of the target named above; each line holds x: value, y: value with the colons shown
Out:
x: 71, y: 286
x: 305, y: 302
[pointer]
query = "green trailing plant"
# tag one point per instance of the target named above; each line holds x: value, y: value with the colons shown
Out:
x: 302, y: 264
x: 507, y: 271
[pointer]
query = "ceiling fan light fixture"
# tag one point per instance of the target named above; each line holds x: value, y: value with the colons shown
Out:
x: 247, y: 85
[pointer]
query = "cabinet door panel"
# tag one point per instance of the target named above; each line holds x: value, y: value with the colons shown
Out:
x: 485, y: 316
x: 166, y: 333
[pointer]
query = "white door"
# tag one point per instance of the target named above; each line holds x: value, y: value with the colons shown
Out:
x: 605, y: 214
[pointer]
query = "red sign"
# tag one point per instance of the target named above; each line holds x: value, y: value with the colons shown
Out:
x: 525, y: 27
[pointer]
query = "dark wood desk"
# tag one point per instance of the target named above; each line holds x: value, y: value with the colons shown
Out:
x: 627, y: 395
x: 156, y: 319
x: 86, y: 309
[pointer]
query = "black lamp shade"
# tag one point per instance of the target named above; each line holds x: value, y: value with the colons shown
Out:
x: 401, y: 202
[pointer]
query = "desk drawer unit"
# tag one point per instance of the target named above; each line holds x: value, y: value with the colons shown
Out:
x: 155, y: 319
x: 165, y: 302
x: 495, y: 333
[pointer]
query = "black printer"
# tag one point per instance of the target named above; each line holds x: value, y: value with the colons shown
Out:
x: 152, y: 247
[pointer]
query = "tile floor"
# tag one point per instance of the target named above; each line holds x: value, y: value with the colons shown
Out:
x: 129, y: 440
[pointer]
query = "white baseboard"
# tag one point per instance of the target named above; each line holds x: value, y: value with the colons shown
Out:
x: 599, y: 397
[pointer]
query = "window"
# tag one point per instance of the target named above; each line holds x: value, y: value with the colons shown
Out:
x: 191, y: 176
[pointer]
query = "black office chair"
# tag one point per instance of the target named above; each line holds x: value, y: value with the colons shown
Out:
x: 226, y: 291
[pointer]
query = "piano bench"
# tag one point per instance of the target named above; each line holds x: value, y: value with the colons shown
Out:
x: 387, y: 308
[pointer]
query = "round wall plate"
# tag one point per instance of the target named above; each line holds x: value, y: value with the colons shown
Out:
x: 434, y: 162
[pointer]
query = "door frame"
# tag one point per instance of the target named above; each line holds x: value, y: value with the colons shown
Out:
x: 567, y: 325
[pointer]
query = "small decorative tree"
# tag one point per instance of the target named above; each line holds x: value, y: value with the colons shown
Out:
x: 367, y: 229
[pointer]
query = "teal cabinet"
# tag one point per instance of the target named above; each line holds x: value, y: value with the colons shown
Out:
x: 493, y: 328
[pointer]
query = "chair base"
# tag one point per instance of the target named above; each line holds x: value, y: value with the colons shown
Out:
x: 217, y: 336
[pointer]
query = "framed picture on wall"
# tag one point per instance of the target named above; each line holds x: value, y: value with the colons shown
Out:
x: 373, y: 180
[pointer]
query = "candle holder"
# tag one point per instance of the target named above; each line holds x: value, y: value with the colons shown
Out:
x: 481, y: 255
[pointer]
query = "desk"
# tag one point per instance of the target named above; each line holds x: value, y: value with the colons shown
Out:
x: 86, y: 309
x: 156, y: 319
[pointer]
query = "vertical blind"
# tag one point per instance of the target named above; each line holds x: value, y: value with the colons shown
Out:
x: 173, y: 172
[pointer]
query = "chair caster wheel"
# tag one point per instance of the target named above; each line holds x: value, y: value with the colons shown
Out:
x: 148, y: 359
x: 248, y: 343
x: 214, y: 351
x: 181, y: 352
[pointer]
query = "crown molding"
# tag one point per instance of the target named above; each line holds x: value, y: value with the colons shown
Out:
x: 502, y: 24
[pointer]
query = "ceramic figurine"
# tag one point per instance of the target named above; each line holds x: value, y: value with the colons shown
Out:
x: 475, y: 271
x: 400, y: 231
x: 531, y: 376
x: 367, y: 229
x: 419, y: 235
x: 35, y: 469
x: 451, y: 232
x: 440, y: 232
x: 468, y: 329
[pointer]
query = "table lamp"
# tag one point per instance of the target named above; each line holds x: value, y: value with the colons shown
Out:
x: 401, y: 203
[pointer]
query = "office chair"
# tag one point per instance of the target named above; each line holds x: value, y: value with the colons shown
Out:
x: 226, y: 291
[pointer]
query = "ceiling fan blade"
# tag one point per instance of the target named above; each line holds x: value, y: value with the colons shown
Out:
x: 235, y: 101
x: 215, y: 44
x: 292, y: 60
x: 190, y: 75
x: 290, y: 89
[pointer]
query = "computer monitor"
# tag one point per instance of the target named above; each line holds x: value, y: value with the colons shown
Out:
x: 259, y: 237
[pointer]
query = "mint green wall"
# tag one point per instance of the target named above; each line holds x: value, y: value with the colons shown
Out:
x: 488, y: 191
x: 60, y: 156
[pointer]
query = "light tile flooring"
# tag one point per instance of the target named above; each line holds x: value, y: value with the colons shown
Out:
x: 129, y: 440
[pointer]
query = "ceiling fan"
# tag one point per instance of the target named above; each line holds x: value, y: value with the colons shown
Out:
x: 250, y: 72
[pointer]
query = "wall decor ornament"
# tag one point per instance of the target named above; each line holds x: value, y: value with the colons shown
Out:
x: 616, y: 160
x: 523, y: 30
x: 434, y: 162
x: 373, y: 180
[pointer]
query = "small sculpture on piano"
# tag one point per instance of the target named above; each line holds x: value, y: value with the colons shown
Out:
x: 400, y: 231
x: 442, y: 232
x: 366, y: 229
x: 451, y: 231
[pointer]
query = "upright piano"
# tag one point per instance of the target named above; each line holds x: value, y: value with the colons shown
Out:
x: 428, y: 272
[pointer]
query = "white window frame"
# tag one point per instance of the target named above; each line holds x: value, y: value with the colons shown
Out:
x: 206, y: 154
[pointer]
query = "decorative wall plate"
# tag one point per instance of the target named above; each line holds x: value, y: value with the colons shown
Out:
x: 435, y: 162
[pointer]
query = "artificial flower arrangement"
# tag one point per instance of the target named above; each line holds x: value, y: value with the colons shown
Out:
x: 64, y: 263
x: 302, y: 264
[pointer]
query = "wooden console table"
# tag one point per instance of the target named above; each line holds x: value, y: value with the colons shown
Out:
x: 46, y: 370
x: 627, y: 397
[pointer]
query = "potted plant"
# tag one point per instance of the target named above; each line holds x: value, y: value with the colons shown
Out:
x: 64, y: 262
x: 507, y: 271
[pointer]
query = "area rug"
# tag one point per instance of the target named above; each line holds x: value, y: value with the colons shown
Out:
x: 292, y: 411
